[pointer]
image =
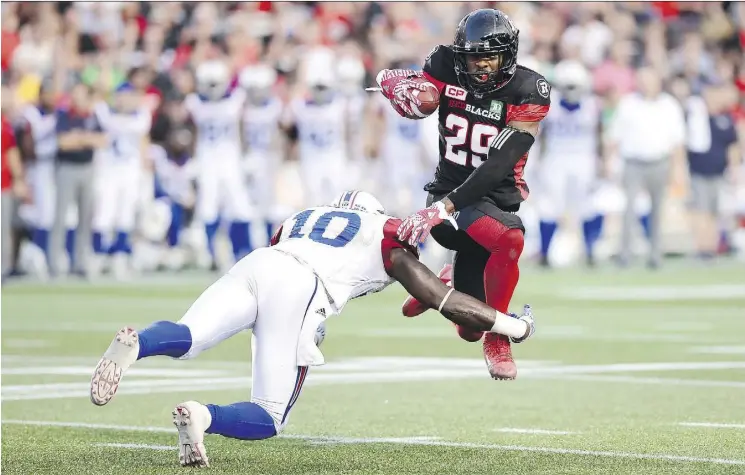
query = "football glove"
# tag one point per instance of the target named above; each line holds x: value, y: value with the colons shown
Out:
x: 415, y: 228
x: 397, y: 86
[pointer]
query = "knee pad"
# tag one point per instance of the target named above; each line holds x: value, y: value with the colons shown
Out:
x: 497, y: 238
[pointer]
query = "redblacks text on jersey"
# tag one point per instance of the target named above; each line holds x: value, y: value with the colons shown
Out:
x: 469, y: 123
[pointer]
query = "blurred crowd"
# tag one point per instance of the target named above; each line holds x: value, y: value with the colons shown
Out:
x: 135, y: 56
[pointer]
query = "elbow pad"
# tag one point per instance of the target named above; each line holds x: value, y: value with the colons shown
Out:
x: 505, y: 151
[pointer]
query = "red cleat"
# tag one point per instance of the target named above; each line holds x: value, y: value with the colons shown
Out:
x: 412, y: 307
x: 498, y: 356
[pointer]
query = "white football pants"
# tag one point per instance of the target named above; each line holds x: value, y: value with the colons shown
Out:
x: 222, y: 188
x: 43, y: 188
x: 566, y: 184
x: 256, y: 294
x: 117, y: 195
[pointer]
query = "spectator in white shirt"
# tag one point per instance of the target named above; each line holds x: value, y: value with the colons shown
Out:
x: 647, y: 133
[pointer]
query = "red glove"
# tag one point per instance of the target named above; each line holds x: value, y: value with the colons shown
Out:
x: 417, y: 227
x: 397, y: 87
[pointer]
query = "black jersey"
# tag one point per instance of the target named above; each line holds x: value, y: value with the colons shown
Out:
x: 468, y: 123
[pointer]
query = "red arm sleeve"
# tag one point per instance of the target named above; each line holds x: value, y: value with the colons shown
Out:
x: 526, y: 112
x: 391, y: 242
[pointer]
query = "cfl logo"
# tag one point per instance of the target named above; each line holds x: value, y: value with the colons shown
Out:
x: 455, y: 92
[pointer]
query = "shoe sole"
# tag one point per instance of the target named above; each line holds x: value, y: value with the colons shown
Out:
x: 108, y: 373
x: 191, y: 453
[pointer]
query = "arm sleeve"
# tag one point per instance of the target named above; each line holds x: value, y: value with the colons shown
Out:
x: 391, y: 242
x: 506, y: 150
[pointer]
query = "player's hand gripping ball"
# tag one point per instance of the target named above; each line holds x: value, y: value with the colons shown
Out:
x: 411, y: 95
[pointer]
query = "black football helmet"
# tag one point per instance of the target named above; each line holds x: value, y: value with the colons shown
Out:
x: 485, y: 32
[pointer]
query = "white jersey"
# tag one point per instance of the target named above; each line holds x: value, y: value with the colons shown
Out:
x: 217, y: 124
x: 321, y: 128
x: 126, y: 132
x: 43, y: 131
x: 345, y: 248
x: 174, y: 178
x: 356, y: 123
x: 571, y: 133
x: 260, y: 125
x: 402, y: 136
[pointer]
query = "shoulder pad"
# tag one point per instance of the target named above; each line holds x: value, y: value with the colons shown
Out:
x: 440, y: 64
x: 532, y: 88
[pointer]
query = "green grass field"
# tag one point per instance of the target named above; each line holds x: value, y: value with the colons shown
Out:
x: 630, y: 372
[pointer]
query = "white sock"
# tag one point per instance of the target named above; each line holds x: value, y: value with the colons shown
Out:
x: 506, y: 325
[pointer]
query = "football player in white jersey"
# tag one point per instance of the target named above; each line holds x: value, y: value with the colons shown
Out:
x: 350, y: 74
x: 119, y: 170
x: 570, y: 152
x: 216, y: 112
x: 39, y: 143
x: 260, y: 136
x: 401, y: 149
x: 318, y: 122
x: 319, y: 259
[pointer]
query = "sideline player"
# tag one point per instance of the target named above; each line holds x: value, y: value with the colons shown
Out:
x: 216, y: 112
x: 320, y: 259
x: 400, y: 148
x: 119, y: 171
x: 490, y: 108
x: 319, y: 123
x: 570, y: 150
x: 38, y: 140
x: 260, y: 138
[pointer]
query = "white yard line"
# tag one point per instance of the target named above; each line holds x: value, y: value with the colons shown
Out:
x: 408, y: 441
x: 655, y: 293
x: 719, y: 350
x: 715, y: 425
x: 706, y: 383
x: 137, y: 446
x: 516, y: 430
x: 387, y: 370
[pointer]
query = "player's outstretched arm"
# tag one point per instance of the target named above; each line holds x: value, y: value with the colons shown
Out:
x: 457, y: 307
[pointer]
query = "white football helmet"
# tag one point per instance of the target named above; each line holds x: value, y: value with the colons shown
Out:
x: 351, y: 74
x: 358, y: 201
x: 258, y: 81
x: 213, y: 79
x: 572, y: 79
x: 320, y: 82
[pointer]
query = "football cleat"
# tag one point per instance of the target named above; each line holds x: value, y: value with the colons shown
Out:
x: 412, y: 307
x: 498, y: 356
x: 192, y: 420
x: 527, y: 317
x: 120, y: 355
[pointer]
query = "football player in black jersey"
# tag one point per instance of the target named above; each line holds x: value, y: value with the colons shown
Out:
x: 489, y: 113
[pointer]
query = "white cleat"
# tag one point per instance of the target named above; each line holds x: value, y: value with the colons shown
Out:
x: 120, y: 355
x: 192, y: 420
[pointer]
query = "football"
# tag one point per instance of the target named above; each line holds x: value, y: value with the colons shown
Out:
x: 429, y: 98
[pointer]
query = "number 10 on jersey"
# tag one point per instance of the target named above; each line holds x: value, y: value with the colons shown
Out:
x: 321, y: 224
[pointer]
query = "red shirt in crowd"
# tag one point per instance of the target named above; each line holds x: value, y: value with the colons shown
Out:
x: 8, y: 142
